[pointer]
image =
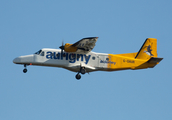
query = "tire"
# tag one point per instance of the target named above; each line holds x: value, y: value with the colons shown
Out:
x: 82, y: 71
x: 25, y: 70
x: 78, y: 76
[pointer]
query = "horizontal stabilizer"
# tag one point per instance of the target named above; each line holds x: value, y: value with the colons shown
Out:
x: 154, y: 60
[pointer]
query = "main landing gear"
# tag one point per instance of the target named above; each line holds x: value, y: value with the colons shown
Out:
x: 25, y: 69
x: 82, y: 71
x: 78, y: 76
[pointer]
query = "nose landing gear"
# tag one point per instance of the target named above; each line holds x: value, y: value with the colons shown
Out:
x: 25, y: 69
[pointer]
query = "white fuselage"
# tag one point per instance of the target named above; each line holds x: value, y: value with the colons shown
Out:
x: 71, y: 61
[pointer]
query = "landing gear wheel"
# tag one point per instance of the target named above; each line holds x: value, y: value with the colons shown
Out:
x: 25, y: 70
x: 82, y: 71
x: 78, y: 76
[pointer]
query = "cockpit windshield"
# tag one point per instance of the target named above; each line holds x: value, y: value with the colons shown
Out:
x: 38, y: 52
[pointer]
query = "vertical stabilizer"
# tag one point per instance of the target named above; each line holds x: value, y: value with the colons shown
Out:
x: 148, y: 49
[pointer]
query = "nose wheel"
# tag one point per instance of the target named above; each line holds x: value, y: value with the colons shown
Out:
x: 25, y: 69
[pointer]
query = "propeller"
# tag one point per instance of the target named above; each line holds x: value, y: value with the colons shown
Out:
x: 62, y: 48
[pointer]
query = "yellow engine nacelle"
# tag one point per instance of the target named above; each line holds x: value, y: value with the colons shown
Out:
x: 69, y: 48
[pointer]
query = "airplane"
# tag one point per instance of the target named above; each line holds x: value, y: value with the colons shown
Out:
x: 80, y: 58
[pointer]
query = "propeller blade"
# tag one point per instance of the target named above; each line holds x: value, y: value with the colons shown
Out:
x: 62, y: 48
x: 61, y: 53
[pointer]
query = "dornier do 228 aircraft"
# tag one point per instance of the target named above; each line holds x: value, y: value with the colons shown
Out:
x: 79, y: 58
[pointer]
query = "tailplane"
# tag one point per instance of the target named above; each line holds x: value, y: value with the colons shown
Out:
x: 148, y: 49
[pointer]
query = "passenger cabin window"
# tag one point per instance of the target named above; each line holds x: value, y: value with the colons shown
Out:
x: 38, y: 52
x: 93, y: 58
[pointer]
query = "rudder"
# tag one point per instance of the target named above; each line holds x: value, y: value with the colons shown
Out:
x: 148, y: 49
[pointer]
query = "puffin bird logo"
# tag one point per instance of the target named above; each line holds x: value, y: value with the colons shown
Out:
x: 148, y: 52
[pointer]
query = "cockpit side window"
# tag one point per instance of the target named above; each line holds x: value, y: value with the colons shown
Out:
x: 38, y: 52
x: 42, y: 53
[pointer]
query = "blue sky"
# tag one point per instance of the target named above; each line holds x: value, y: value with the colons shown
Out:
x: 53, y: 93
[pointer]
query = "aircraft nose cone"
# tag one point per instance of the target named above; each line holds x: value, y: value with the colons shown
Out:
x: 16, y: 60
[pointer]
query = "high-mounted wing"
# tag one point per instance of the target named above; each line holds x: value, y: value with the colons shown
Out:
x: 85, y: 45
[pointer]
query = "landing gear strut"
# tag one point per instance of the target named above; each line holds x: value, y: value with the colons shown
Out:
x: 82, y: 71
x: 25, y: 69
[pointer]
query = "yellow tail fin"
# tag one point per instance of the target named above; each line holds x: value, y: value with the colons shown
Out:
x: 148, y: 49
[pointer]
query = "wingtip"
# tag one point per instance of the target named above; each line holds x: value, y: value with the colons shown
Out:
x: 90, y: 38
